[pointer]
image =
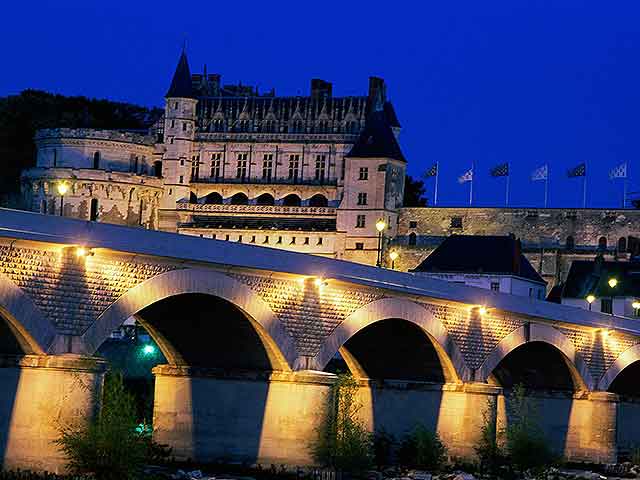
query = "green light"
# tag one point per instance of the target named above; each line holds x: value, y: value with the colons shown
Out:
x: 148, y: 349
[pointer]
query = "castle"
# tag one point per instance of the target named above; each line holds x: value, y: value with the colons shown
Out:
x: 312, y: 174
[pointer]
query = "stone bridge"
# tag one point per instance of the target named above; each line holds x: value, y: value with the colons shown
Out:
x: 250, y: 335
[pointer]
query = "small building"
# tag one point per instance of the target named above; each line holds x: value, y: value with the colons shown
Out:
x: 603, y: 286
x: 491, y: 262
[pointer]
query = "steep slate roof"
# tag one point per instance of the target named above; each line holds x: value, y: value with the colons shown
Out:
x: 480, y: 254
x: 181, y: 84
x: 377, y: 139
x: 592, y: 277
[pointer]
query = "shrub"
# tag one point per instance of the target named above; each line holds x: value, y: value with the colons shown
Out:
x: 109, y: 446
x: 342, y: 440
x: 422, y: 449
x: 526, y: 445
x: 384, y: 448
x: 490, y: 455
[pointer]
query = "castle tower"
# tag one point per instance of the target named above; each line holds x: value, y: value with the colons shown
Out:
x: 373, y: 187
x: 179, y: 132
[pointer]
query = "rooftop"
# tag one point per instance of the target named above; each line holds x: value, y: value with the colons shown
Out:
x: 592, y: 277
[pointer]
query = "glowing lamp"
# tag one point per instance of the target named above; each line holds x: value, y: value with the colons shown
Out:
x: 393, y: 255
x: 319, y: 282
x: 83, y: 252
x: 63, y: 188
x: 590, y: 299
x: 613, y: 282
x: 636, y: 304
x: 482, y: 310
x: 148, y: 350
x: 381, y: 225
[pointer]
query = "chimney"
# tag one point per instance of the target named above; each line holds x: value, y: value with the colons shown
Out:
x: 320, y: 89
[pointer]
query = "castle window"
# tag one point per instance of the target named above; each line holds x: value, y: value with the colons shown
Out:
x: 240, y: 238
x: 93, y: 214
x: 226, y: 237
x: 292, y: 200
x: 267, y: 166
x: 55, y: 157
x: 266, y: 239
x: 213, y: 198
x: 184, y: 126
x: 96, y: 160
x: 240, y: 199
x: 216, y: 163
x: 140, y: 212
x: 362, y: 198
x: 413, y: 239
x: 218, y: 125
x: 622, y: 245
x: 319, y: 241
x: 279, y: 241
x: 570, y: 243
x: 306, y: 241
x: 193, y: 198
x: 182, y: 162
x: 253, y: 239
x: 171, y: 140
x: 318, y: 200
x: 456, y: 222
x: 321, y: 161
x: 359, y: 246
x: 133, y: 163
x: 195, y: 168
x: 293, y: 241
x: 360, y: 221
x: 342, y: 169
x: 602, y: 243
x: 175, y: 106
x: 294, y: 164
x: 364, y: 173
x: 495, y: 286
x: 412, y: 224
x: 173, y: 123
x: 265, y: 199
x: 157, y: 168
x: 181, y: 179
x: 241, y: 169
x: 213, y: 236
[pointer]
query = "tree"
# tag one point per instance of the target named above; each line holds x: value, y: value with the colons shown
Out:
x: 414, y: 192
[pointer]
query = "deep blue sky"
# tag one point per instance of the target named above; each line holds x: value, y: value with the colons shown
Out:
x: 491, y: 81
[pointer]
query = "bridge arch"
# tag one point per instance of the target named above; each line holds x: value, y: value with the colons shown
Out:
x: 624, y: 360
x: 31, y: 329
x: 452, y: 362
x: 278, y: 343
x: 541, y: 333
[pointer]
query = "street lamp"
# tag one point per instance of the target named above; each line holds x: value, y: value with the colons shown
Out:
x: 393, y: 256
x: 613, y: 282
x: 380, y: 226
x: 590, y: 299
x: 62, y: 189
x: 636, y: 307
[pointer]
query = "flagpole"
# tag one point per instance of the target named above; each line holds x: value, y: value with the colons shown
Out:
x: 546, y: 187
x: 584, y: 191
x: 435, y: 194
x: 471, y: 185
x: 508, y: 178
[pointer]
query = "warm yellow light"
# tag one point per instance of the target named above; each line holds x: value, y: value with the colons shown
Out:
x: 636, y: 304
x: 319, y: 282
x: 381, y: 225
x: 605, y: 333
x: 613, y: 282
x: 63, y: 188
x: 81, y: 251
x: 591, y: 298
x: 482, y: 310
x: 394, y: 255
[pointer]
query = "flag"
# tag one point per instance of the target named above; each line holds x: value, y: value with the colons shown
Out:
x: 466, y: 176
x: 500, y: 170
x: 579, y: 171
x: 540, y: 173
x: 618, y: 172
x: 432, y: 172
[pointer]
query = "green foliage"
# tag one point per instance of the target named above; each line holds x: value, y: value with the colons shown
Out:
x: 634, y: 456
x: 384, y: 448
x: 490, y: 455
x: 422, y: 449
x: 525, y: 442
x: 342, y: 440
x: 111, y: 446
x: 414, y: 193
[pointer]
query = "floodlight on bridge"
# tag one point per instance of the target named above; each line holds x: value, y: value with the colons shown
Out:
x: 83, y: 252
x: 613, y: 282
x: 636, y: 305
x: 320, y: 282
x: 482, y: 310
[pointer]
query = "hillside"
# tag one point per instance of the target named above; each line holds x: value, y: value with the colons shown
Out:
x: 21, y: 115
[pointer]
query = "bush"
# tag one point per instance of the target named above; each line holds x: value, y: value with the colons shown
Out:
x: 526, y: 445
x: 422, y: 449
x: 342, y: 440
x: 384, y: 449
x: 111, y: 446
x: 490, y: 455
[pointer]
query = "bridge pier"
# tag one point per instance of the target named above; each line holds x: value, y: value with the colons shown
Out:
x: 38, y: 394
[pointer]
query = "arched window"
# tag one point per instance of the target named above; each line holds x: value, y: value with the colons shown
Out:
x: 292, y: 200
x: 413, y: 239
x: 265, y: 199
x: 602, y: 243
x: 93, y: 214
x: 318, y: 201
x: 570, y: 243
x: 157, y: 168
x: 239, y: 199
x: 193, y: 198
x: 96, y: 160
x: 622, y: 245
x: 214, y: 198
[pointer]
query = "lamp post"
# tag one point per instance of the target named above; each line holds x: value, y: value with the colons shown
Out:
x: 590, y: 299
x: 380, y: 226
x: 636, y: 307
x: 62, y: 189
x: 613, y: 282
x: 393, y: 256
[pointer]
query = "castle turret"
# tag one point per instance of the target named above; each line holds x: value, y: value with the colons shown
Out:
x: 179, y: 131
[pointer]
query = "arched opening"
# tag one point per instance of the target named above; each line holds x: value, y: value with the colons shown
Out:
x: 413, y: 239
x: 318, y: 200
x: 392, y: 349
x: 213, y: 198
x: 291, y: 200
x: 626, y: 385
x: 265, y: 199
x: 602, y: 243
x: 570, y: 243
x: 96, y: 160
x: 93, y: 213
x: 622, y: 245
x: 193, y: 198
x: 626, y: 382
x: 157, y: 169
x: 240, y: 199
x: 10, y: 341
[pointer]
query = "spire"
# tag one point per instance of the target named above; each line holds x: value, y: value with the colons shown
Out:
x: 377, y: 139
x: 181, y: 84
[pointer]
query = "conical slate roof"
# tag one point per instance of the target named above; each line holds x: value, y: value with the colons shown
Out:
x: 181, y: 84
x: 377, y: 139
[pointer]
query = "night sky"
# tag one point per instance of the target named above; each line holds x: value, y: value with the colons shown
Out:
x: 527, y: 82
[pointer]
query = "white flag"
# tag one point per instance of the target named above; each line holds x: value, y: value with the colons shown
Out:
x: 466, y: 177
x: 541, y: 173
x: 618, y: 172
